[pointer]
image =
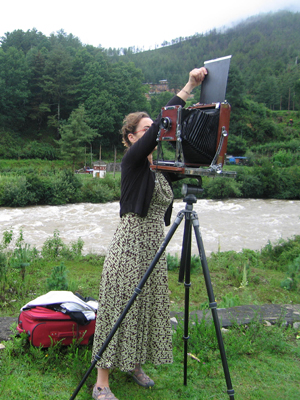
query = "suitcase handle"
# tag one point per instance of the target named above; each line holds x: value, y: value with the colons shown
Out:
x: 64, y: 335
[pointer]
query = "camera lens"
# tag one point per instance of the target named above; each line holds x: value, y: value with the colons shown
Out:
x: 166, y: 123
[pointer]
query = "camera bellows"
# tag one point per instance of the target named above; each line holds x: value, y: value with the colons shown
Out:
x: 199, y: 133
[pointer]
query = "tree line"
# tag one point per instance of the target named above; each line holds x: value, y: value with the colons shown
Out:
x: 49, y: 83
x: 44, y: 79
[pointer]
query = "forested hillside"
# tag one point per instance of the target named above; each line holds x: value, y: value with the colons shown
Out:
x: 45, y: 79
x: 266, y: 58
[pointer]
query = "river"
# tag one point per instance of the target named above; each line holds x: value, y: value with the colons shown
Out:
x: 225, y: 225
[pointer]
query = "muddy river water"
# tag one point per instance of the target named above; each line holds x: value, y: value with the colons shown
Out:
x: 225, y: 225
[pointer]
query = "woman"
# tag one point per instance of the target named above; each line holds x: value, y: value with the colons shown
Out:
x: 146, y: 198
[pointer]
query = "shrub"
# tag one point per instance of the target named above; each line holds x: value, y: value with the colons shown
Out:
x: 293, y: 276
x: 229, y: 300
x: 268, y: 176
x: 9, y: 145
x: 3, y: 270
x: 21, y: 258
x: 58, y: 278
x: 15, y: 192
x: 43, y: 151
x: 53, y: 247
x: 250, y: 185
x: 237, y: 145
x: 281, y: 254
x: 22, y: 255
x: 283, y: 158
x: 173, y: 262
x: 223, y: 188
x: 288, y: 183
x: 65, y: 188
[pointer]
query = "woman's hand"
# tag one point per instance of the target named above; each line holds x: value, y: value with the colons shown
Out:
x: 196, y: 77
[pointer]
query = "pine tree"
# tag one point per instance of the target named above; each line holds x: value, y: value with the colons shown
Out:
x: 75, y: 135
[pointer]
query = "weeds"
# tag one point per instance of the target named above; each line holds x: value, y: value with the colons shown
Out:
x: 55, y: 249
x: 173, y: 262
x: 229, y: 300
x: 58, y: 278
x: 293, y: 276
x: 279, y: 255
x: 22, y: 255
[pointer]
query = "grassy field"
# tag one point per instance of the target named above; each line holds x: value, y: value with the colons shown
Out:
x: 264, y: 361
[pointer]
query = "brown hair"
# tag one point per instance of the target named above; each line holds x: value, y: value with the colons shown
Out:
x: 130, y: 123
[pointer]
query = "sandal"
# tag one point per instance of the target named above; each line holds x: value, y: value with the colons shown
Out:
x: 141, y: 378
x: 103, y: 394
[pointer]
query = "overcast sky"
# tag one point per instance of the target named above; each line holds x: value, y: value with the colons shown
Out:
x: 132, y: 22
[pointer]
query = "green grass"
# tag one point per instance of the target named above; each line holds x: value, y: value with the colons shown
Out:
x: 264, y: 362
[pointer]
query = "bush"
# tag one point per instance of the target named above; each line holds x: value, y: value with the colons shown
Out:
x: 283, y: 158
x: 9, y: 145
x: 292, y: 276
x: 250, y: 185
x: 13, y: 147
x: 237, y: 145
x: 98, y: 193
x: 223, y: 188
x: 65, y: 189
x: 15, y: 192
x: 288, y: 183
x: 58, y: 279
x: 43, y: 151
x: 281, y: 254
x: 55, y: 249
x: 268, y: 176
x: 32, y: 189
x: 173, y: 262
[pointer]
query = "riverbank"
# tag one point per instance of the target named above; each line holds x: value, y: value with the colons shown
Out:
x: 40, y: 182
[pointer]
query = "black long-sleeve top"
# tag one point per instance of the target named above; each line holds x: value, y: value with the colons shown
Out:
x: 137, y: 180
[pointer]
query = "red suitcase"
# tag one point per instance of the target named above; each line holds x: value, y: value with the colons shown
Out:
x: 46, y: 327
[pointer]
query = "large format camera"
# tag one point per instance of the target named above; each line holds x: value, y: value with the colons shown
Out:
x: 197, y: 135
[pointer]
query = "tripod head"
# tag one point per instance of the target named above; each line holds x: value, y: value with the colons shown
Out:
x: 189, y: 192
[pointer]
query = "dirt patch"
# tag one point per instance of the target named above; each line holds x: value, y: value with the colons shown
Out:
x: 5, y: 324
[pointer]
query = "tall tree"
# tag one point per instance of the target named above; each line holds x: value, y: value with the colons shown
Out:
x: 59, y: 84
x: 75, y: 135
x: 14, y: 92
x: 39, y: 102
x: 110, y: 91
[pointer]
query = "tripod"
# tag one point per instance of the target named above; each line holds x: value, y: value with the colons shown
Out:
x: 191, y: 218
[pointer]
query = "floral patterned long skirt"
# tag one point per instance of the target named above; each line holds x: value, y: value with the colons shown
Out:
x: 145, y: 333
